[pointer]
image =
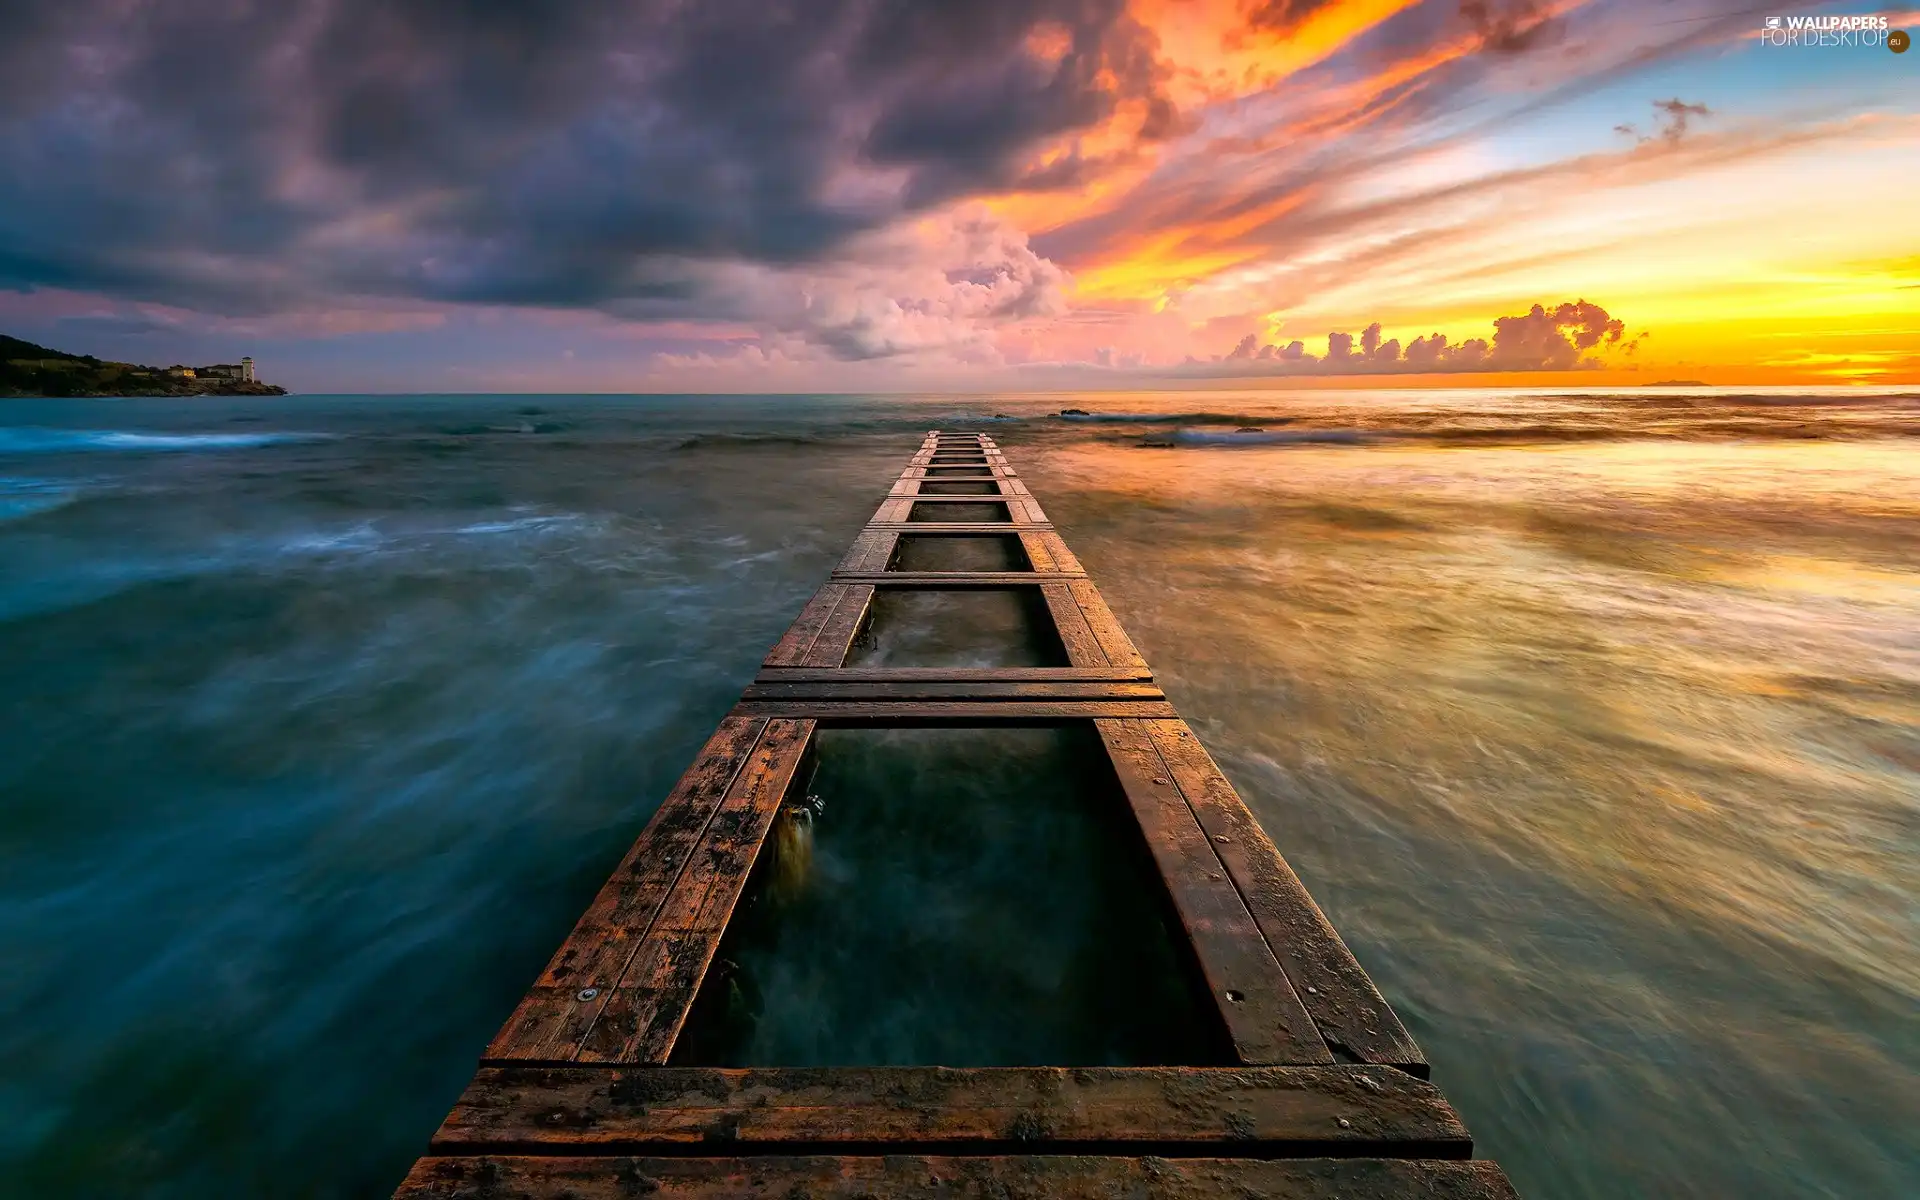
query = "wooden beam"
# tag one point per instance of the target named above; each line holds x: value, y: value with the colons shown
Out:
x: 567, y: 998
x: 870, y: 552
x: 836, y: 636
x: 954, y: 579
x: 1264, y: 1016
x: 1055, y: 548
x: 1039, y: 553
x: 1352, y: 1016
x: 1083, y: 649
x: 951, y: 689
x: 1113, y: 640
x: 1263, y: 1112
x: 792, y: 648
x: 954, y: 527
x: 913, y: 1177
x: 888, y: 674
x: 644, y: 1012
x: 955, y: 712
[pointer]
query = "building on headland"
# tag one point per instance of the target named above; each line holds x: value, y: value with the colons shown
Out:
x: 240, y: 372
x: 180, y: 372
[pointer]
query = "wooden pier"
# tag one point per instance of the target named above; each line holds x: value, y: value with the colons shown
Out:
x: 1318, y: 1092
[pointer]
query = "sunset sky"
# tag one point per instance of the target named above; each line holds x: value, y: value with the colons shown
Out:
x: 748, y: 195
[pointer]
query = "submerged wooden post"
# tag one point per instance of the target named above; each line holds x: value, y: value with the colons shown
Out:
x: 1325, y: 1094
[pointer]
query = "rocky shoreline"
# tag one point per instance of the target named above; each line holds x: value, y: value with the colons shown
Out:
x: 184, y: 387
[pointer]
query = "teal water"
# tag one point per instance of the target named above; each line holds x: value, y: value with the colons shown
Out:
x: 966, y: 897
x: 1592, y: 720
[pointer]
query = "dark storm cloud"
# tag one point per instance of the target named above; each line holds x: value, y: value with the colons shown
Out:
x: 243, y: 155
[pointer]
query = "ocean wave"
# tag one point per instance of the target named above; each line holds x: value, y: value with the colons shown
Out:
x: 64, y: 581
x: 1269, y: 437
x: 21, y: 498
x: 716, y: 441
x: 551, y: 524
x: 1199, y: 418
x: 404, y: 536
x: 32, y: 440
x: 1775, y: 400
x: 1535, y: 433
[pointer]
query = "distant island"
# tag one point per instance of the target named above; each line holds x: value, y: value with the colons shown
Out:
x: 30, y: 370
x: 1675, y: 383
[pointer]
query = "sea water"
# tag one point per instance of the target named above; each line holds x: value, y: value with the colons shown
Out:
x: 1591, y: 718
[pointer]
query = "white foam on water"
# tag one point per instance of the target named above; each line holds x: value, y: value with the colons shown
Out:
x: 33, y: 440
x: 22, y: 498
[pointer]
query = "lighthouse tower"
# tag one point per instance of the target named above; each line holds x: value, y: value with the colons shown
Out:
x: 246, y: 370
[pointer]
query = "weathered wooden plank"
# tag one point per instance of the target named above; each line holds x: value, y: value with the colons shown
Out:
x: 791, y: 649
x: 951, y: 689
x: 1266, y: 1020
x: 962, y: 500
x: 1038, y: 552
x: 1257, y: 1111
x: 909, y: 712
x: 1113, y: 640
x: 913, y: 1177
x: 645, y: 1010
x: 973, y: 510
x: 870, y: 553
x: 893, y: 509
x: 1083, y: 649
x: 952, y: 579
x: 836, y: 636
x: 920, y: 485
x: 1063, y: 558
x: 569, y: 994
x: 1349, y: 1011
x: 1026, y: 508
x: 885, y: 674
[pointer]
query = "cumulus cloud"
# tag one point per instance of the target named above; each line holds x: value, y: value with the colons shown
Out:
x: 943, y: 286
x: 245, y: 158
x: 1567, y: 337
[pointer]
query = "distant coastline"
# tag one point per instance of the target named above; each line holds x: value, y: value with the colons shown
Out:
x: 1674, y: 383
x: 27, y: 370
